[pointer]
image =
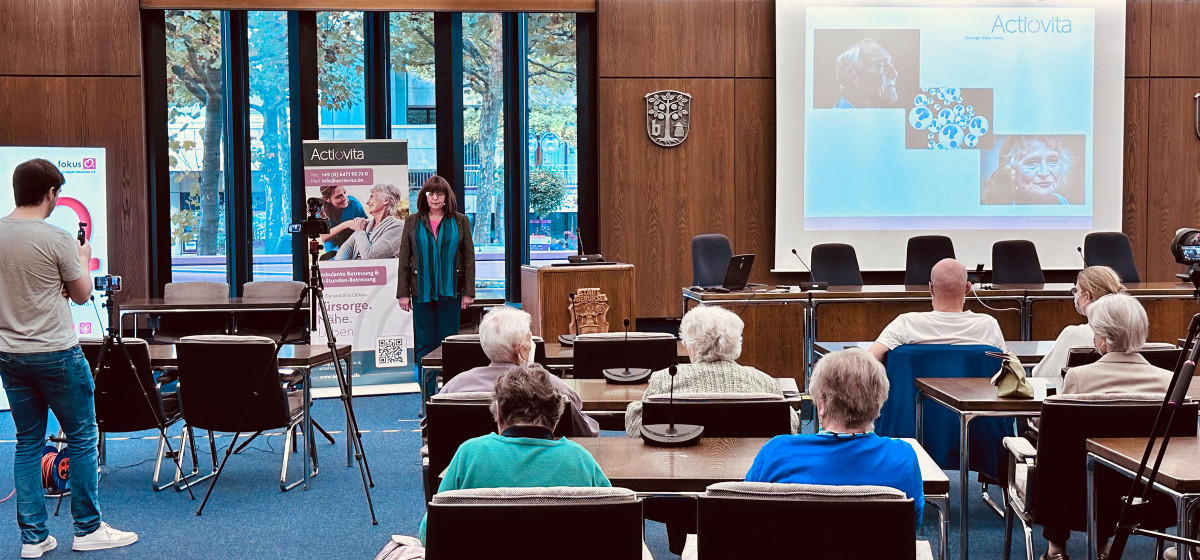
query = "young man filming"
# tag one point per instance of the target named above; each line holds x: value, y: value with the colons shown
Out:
x: 41, y: 363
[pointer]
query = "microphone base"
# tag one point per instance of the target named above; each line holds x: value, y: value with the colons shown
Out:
x: 806, y: 286
x: 666, y: 435
x: 585, y: 258
x: 627, y: 376
x: 566, y: 339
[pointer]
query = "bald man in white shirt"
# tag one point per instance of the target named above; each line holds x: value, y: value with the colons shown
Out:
x: 948, y: 323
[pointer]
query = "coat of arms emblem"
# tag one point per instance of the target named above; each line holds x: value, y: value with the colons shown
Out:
x: 668, y: 117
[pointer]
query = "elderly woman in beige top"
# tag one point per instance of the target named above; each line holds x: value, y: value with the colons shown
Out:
x: 1121, y: 327
x: 713, y: 337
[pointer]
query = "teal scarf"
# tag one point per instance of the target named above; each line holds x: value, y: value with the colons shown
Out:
x: 437, y: 279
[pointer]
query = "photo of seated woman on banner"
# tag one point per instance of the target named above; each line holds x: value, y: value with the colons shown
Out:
x: 377, y: 236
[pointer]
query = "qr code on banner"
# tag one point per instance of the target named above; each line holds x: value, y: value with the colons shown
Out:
x: 390, y: 351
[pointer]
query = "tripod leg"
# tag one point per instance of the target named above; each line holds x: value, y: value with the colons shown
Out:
x: 324, y: 433
x: 217, y: 475
x: 247, y: 442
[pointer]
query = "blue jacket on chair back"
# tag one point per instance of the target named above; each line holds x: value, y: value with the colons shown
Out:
x: 898, y: 417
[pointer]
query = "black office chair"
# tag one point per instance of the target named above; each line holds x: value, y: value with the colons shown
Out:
x: 710, y: 259
x: 595, y: 352
x: 1166, y: 357
x: 1048, y: 485
x: 723, y: 414
x: 170, y: 327
x: 750, y: 519
x: 924, y: 251
x: 461, y: 352
x: 271, y: 323
x: 835, y: 263
x: 590, y: 523
x: 232, y: 384
x: 1016, y: 262
x: 121, y: 405
x: 1111, y: 249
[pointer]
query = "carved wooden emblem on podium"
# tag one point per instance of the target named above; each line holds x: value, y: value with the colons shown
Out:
x: 591, y: 307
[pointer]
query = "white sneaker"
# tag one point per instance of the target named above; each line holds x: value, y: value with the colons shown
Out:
x: 36, y: 550
x: 104, y: 537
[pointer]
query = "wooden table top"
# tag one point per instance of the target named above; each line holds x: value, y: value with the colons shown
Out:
x: 977, y: 394
x: 628, y: 463
x: 600, y: 395
x: 207, y: 304
x: 557, y: 356
x: 1180, y: 469
x: 1057, y: 290
x: 291, y: 355
x: 1028, y: 351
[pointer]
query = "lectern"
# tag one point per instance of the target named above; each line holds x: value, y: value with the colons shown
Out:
x: 544, y: 294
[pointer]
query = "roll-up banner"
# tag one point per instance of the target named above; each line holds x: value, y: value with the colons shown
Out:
x: 363, y: 185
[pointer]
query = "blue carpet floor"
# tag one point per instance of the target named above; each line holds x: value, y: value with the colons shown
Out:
x: 248, y: 517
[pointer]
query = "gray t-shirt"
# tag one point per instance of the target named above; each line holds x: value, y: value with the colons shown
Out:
x: 37, y: 259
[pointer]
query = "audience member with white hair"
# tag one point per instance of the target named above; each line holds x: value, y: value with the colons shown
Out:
x: 379, y: 236
x: 849, y: 388
x: 506, y: 339
x: 1121, y: 326
x: 948, y: 323
x: 713, y: 338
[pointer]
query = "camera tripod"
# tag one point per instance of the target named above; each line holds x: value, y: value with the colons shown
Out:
x: 313, y: 293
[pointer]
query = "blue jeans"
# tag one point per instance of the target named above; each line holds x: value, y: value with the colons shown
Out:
x: 61, y: 381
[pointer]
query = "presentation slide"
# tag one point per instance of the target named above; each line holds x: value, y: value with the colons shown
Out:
x: 979, y: 123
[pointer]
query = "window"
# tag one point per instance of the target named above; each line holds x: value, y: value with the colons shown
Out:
x: 340, y: 72
x: 552, y: 135
x: 483, y: 139
x: 411, y: 51
x: 195, y: 133
x: 270, y: 145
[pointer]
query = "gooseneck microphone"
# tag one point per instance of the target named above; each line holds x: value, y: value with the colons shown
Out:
x: 1081, y: 257
x: 814, y: 285
x: 627, y: 375
x: 671, y: 434
x: 569, y: 339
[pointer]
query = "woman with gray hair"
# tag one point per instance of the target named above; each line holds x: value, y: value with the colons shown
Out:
x: 379, y: 236
x: 713, y: 338
x: 849, y: 388
x: 1121, y: 326
x: 524, y: 452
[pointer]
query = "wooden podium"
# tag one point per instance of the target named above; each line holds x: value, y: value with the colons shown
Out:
x: 544, y: 295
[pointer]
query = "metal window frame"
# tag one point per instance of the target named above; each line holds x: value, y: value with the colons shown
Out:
x: 305, y: 125
x: 158, y: 151
x: 235, y: 70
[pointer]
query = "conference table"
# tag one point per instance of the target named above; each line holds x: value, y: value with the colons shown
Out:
x: 302, y: 357
x: 558, y: 356
x: 227, y: 305
x: 664, y: 471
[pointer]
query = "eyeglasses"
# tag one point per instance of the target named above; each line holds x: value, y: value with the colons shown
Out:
x: 432, y: 194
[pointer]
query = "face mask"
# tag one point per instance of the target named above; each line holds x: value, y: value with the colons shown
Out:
x: 529, y: 357
x: 1079, y: 308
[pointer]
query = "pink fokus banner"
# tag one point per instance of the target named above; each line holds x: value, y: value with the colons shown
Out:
x: 317, y: 176
x: 354, y: 277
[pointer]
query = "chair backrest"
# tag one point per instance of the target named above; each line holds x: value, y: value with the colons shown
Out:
x: 219, y: 376
x: 271, y: 323
x: 1165, y: 358
x: 452, y: 418
x: 461, y: 352
x: 723, y: 414
x: 120, y: 403
x: 1111, y: 249
x: 1016, y: 262
x: 835, y: 263
x: 710, y: 259
x: 559, y: 522
x: 898, y: 418
x: 759, y: 520
x: 283, y: 289
x: 924, y: 251
x: 1056, y: 493
x: 595, y: 352
x: 190, y: 323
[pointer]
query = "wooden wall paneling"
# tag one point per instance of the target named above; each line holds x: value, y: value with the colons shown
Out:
x: 1133, y: 214
x: 70, y: 38
x: 91, y: 112
x: 1007, y: 314
x: 1169, y: 318
x: 1173, y: 25
x: 653, y: 200
x: 773, y: 340
x: 1137, y: 37
x: 1048, y: 317
x: 649, y: 38
x: 378, y: 5
x: 754, y: 176
x: 1173, y: 196
x: 755, y: 39
x: 859, y: 321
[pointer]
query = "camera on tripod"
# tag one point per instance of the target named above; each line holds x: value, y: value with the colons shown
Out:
x: 314, y: 224
x: 1186, y: 249
x: 107, y: 283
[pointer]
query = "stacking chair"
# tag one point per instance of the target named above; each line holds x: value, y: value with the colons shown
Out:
x: 1016, y: 262
x: 121, y: 405
x: 924, y: 251
x: 723, y: 414
x: 461, y: 352
x: 710, y: 259
x: 171, y: 326
x: 232, y: 384
x: 271, y: 323
x: 1111, y: 249
x: 835, y: 263
x: 1048, y: 485
x: 558, y: 522
x: 776, y: 520
x: 596, y: 352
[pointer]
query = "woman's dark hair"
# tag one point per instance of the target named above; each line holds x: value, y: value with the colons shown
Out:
x: 33, y: 179
x: 436, y: 184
